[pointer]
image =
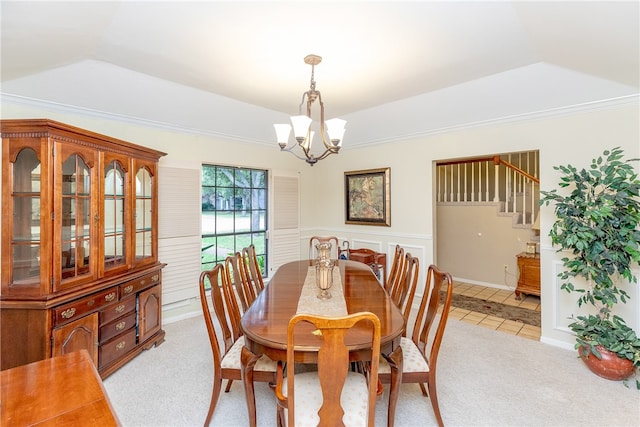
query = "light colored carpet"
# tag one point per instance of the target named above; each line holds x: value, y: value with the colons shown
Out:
x: 485, y: 378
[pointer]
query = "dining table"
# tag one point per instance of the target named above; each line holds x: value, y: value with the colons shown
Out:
x: 292, y: 290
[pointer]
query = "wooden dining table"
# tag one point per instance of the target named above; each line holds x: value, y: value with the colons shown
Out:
x: 265, y: 323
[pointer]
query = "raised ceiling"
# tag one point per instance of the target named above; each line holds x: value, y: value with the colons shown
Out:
x: 429, y: 65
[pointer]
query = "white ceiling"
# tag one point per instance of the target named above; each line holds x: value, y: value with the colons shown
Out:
x: 432, y: 65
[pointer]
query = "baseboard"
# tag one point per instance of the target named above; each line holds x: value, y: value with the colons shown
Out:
x: 557, y: 343
x: 479, y: 283
x: 181, y: 310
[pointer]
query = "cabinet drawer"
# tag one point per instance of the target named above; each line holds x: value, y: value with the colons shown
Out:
x: 119, y: 309
x: 141, y: 282
x: 117, y: 347
x: 532, y: 273
x: 93, y: 302
x: 116, y: 327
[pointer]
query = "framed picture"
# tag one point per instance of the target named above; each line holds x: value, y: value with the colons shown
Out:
x: 368, y: 197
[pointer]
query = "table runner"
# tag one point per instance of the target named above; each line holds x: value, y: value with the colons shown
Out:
x: 309, y: 303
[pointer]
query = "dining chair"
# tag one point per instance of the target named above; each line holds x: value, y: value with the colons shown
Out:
x: 226, y: 361
x: 237, y: 275
x: 404, y: 290
x: 420, y: 352
x: 313, y: 241
x: 396, y: 266
x: 253, y: 268
x: 332, y: 395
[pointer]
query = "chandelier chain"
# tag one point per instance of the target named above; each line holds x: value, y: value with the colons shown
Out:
x: 312, y: 86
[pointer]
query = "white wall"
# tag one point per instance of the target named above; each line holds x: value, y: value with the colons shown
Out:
x: 567, y: 137
x: 574, y: 137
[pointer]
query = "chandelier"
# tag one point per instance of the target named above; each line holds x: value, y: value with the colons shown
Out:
x: 331, y: 131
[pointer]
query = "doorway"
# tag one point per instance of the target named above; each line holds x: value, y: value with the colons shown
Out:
x: 485, y: 217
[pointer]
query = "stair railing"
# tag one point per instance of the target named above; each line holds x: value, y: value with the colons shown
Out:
x: 512, y: 181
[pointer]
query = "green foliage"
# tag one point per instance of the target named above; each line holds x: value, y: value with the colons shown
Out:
x: 599, y: 223
x: 613, y: 334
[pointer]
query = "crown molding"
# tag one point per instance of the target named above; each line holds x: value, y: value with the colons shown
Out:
x: 605, y: 104
x: 88, y: 112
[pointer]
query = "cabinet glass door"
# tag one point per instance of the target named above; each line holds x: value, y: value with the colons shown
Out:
x: 25, y: 245
x: 144, y: 215
x: 114, y: 216
x: 76, y: 220
x: 76, y: 215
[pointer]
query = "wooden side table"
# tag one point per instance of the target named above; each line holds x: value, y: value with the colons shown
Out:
x: 529, y: 279
x: 376, y: 260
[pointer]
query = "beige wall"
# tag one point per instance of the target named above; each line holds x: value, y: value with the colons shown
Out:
x: 475, y: 243
x: 569, y: 137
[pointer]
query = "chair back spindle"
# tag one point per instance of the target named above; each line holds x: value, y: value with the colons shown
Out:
x: 396, y: 266
x: 253, y: 268
x: 237, y: 276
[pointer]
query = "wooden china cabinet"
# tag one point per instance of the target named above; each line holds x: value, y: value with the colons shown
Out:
x: 80, y: 265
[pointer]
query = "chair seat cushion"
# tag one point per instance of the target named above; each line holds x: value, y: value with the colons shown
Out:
x: 231, y: 360
x: 412, y: 359
x: 354, y: 399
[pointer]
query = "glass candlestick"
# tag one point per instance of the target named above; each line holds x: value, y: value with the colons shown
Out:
x: 324, y: 277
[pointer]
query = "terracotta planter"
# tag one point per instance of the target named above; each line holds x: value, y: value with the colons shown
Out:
x: 611, y: 366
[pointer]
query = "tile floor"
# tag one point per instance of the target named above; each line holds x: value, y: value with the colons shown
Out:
x: 531, y: 302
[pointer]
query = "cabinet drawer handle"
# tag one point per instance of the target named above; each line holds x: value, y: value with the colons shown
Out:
x: 155, y: 277
x: 110, y: 297
x: 120, y: 308
x: 128, y: 289
x: 68, y: 313
x: 121, y: 345
x: 120, y: 326
x: 90, y: 303
x: 143, y: 281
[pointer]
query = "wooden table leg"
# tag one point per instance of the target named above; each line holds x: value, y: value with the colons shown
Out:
x: 248, y: 361
x: 395, y: 362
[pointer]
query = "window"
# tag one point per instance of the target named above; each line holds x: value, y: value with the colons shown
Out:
x: 234, y: 213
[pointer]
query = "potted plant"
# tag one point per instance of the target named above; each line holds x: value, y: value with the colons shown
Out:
x: 599, y: 224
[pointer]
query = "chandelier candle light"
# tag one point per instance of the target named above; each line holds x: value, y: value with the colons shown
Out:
x: 331, y: 136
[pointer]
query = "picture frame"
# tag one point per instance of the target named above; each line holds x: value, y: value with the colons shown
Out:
x: 368, y: 197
